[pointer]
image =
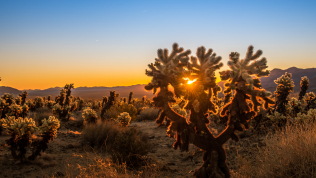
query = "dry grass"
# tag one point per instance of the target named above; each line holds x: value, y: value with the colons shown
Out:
x: 40, y: 114
x: 148, y: 114
x: 289, y: 153
x: 102, y: 134
x: 126, y: 145
x: 93, y: 165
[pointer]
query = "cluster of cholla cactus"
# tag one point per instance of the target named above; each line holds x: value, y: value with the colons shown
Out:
x: 21, y: 130
x: 123, y: 119
x: 303, y: 118
x: 90, y: 116
x: 193, y: 80
x: 10, y: 106
x: 64, y: 104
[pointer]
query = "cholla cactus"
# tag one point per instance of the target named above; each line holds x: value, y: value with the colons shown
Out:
x: 47, y: 131
x: 108, y: 102
x: 278, y: 118
x: 38, y: 102
x: 80, y: 103
x: 18, y: 100
x: 15, y: 110
x: 89, y: 116
x: 8, y: 98
x: 294, y: 106
x: 130, y: 97
x: 193, y: 79
x: 179, y: 110
x: 20, y: 130
x: 285, y: 86
x: 304, y: 86
x: 23, y: 96
x: 309, y: 100
x: 67, y: 89
x: 49, y: 104
x: 123, y: 119
x: 49, y: 125
x: 301, y: 118
x: 19, y: 126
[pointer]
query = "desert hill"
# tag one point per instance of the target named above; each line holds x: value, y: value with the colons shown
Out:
x: 139, y: 91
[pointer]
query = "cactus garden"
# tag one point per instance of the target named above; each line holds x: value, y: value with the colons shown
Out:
x: 157, y: 89
x: 191, y: 126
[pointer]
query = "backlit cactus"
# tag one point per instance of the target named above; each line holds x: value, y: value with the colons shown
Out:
x: 108, y: 102
x: 89, y: 116
x: 193, y: 79
x: 304, y: 86
x: 123, y: 119
x: 294, y: 106
x: 285, y: 86
x: 21, y: 130
x: 49, y: 125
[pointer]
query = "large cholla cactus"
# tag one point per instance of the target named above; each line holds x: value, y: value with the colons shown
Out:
x: 193, y: 79
x: 304, y: 86
x: 285, y: 86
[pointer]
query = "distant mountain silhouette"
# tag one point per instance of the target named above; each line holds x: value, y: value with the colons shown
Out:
x: 83, y: 92
x: 139, y: 91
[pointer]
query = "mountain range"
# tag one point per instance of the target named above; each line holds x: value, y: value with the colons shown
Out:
x: 139, y: 91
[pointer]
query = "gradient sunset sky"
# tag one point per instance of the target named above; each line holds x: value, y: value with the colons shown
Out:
x: 45, y: 44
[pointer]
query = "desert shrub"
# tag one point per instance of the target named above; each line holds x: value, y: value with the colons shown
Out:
x: 289, y: 153
x: 129, y: 147
x: 40, y: 114
x: 101, y: 134
x: 148, y: 113
x: 126, y: 145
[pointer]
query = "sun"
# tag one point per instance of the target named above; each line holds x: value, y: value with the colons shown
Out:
x: 190, y: 81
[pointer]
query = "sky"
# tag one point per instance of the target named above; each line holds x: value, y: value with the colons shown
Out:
x: 51, y: 43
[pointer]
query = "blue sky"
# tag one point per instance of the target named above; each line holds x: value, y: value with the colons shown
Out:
x: 110, y: 43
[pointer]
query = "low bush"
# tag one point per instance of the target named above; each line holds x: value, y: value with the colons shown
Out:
x: 125, y: 144
x: 288, y: 153
x: 148, y: 113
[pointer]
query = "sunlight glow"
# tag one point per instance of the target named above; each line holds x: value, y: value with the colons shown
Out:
x: 190, y: 81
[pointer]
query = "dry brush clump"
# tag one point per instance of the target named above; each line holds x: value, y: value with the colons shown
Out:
x: 288, y: 153
x: 193, y: 79
x: 126, y: 145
